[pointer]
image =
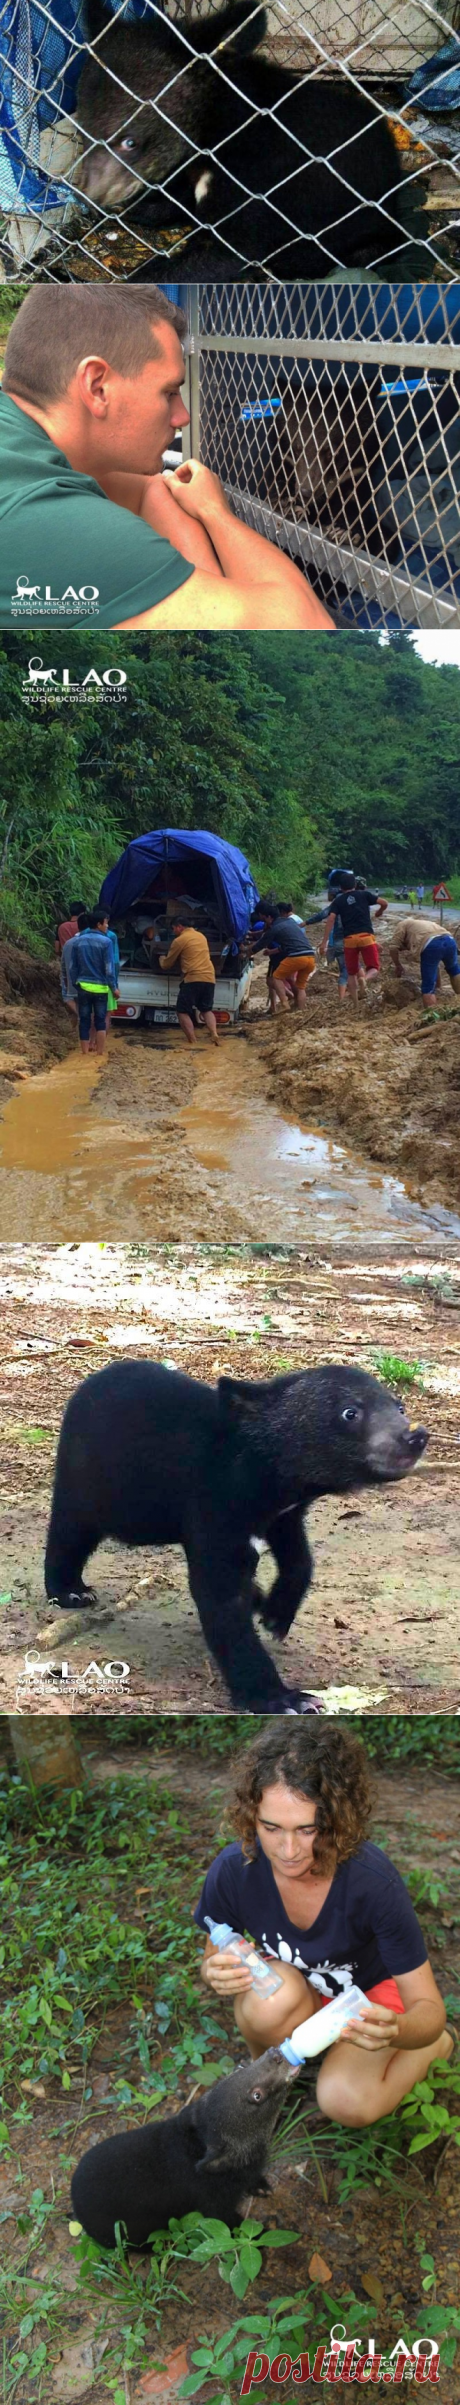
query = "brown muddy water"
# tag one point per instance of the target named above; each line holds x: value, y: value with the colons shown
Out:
x: 156, y: 1142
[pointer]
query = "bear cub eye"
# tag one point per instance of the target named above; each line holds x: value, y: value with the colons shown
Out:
x: 352, y: 1412
x: 256, y: 2096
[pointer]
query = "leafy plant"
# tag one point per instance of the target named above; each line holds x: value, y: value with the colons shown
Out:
x: 238, y: 2253
x: 396, y: 1371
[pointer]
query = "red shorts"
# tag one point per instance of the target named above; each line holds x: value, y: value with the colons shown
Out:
x: 360, y: 946
x: 386, y: 1992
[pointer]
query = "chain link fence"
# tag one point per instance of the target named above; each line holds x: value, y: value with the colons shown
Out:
x: 300, y: 139
x: 331, y: 414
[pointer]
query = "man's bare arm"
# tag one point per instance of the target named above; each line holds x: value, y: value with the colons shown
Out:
x: 149, y: 498
x: 244, y: 556
x: 260, y: 588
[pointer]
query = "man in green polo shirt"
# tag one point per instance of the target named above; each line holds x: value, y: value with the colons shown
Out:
x: 91, y: 532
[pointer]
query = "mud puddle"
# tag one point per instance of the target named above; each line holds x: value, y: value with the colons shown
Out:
x: 154, y: 1141
x: 297, y: 1180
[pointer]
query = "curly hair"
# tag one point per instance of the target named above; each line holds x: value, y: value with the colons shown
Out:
x: 313, y: 1759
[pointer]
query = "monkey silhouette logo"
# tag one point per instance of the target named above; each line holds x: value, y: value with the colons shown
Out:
x: 38, y: 675
x: 25, y: 591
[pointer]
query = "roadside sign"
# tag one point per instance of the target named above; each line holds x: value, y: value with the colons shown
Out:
x: 441, y: 894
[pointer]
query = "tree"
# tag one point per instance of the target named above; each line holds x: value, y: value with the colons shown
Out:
x: 47, y: 1751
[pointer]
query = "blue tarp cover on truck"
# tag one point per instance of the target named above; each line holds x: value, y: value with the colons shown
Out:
x: 225, y: 881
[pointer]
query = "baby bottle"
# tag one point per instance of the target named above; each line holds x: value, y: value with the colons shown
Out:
x: 264, y: 1977
x: 310, y: 2037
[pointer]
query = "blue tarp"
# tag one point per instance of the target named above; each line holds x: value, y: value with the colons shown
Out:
x: 230, y: 887
x: 41, y: 56
x: 437, y: 83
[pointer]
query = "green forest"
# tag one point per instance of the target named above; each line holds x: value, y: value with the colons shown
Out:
x: 302, y: 751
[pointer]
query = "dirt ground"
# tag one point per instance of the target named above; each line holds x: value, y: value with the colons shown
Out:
x: 336, y: 1125
x: 380, y: 1628
x: 372, y: 2244
x: 391, y: 1074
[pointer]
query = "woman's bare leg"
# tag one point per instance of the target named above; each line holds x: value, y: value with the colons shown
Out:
x: 266, y: 2022
x: 356, y: 2088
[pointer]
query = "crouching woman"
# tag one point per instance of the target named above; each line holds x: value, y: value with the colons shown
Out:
x: 330, y: 1908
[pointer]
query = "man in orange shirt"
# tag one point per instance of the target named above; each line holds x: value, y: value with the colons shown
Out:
x: 196, y: 991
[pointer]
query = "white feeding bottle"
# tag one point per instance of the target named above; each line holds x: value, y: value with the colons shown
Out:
x: 227, y: 1940
x: 310, y: 2037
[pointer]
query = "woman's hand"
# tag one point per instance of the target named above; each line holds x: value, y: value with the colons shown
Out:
x: 225, y: 1974
x: 376, y: 2026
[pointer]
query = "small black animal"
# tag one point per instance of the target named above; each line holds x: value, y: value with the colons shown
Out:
x: 326, y: 463
x: 152, y: 1457
x: 207, y: 2159
x: 180, y: 131
x: 318, y: 458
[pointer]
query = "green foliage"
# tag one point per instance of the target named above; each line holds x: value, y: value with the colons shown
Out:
x: 298, y: 753
x: 427, y: 2114
x: 68, y: 1950
x: 397, y: 1372
x: 200, y: 1733
x: 238, y: 2253
x: 388, y: 1737
x: 298, y: 2325
x: 378, y: 2154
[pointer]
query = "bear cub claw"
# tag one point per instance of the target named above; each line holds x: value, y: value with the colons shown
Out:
x: 74, y: 1598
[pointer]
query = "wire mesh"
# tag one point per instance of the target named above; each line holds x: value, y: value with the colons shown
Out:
x: 331, y: 416
x: 295, y: 144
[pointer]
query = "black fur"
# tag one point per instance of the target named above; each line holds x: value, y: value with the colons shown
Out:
x: 214, y: 106
x: 325, y: 460
x: 152, y: 1457
x: 207, y: 2159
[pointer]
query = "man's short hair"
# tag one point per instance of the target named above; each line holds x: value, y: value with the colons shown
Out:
x: 95, y: 916
x: 59, y: 324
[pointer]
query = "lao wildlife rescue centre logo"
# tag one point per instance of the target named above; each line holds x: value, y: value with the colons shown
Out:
x: 29, y: 602
x: 58, y: 684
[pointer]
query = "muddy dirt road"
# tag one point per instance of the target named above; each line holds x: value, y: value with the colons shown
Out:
x: 380, y: 1628
x: 162, y: 1143
x: 329, y: 1128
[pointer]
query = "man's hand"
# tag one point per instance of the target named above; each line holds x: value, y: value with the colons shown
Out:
x: 197, y: 490
x: 70, y: 1005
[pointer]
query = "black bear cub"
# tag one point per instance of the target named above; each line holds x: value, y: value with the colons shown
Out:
x: 181, y: 119
x: 152, y: 1457
x: 207, y: 2159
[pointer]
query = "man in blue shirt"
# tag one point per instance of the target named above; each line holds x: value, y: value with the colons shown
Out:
x: 90, y: 975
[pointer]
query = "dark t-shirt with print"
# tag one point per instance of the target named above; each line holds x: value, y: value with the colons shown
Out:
x: 353, y: 911
x: 366, y: 1931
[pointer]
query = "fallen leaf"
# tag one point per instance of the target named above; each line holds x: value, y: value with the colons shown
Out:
x: 164, y: 2384
x: 32, y: 2087
x: 373, y: 2286
x: 318, y: 2269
